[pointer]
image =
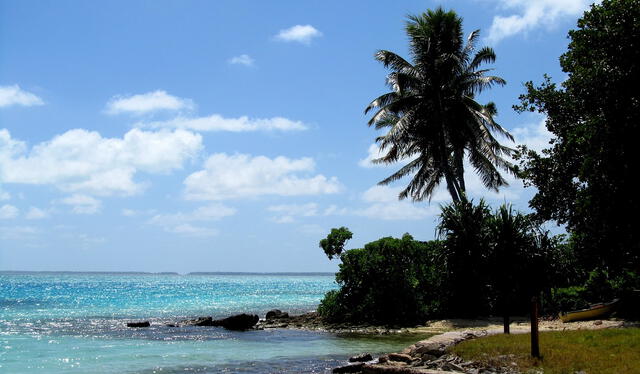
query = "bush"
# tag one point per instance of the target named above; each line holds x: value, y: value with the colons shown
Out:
x: 566, y: 299
x: 389, y: 281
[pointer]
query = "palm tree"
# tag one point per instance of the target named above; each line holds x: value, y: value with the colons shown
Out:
x: 431, y: 114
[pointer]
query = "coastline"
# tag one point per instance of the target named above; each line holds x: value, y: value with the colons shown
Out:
x: 430, y: 356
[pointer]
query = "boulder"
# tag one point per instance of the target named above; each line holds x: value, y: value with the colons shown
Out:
x: 400, y: 357
x: 276, y: 314
x: 238, y: 322
x: 361, y: 358
x: 201, y: 321
x: 355, y: 368
x: 139, y: 324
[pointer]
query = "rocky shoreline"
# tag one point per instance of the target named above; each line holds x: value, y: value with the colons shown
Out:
x: 428, y: 356
x: 431, y: 356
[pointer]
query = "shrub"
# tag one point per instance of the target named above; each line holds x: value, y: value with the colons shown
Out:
x: 389, y: 281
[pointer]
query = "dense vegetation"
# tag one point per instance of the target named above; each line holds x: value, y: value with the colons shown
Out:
x: 492, y: 262
x: 586, y: 180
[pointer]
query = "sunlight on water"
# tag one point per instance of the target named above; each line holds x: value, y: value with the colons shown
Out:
x: 60, y: 323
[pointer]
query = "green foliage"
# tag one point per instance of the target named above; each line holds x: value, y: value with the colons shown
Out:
x: 586, y: 179
x: 333, y: 244
x: 565, y: 300
x: 431, y: 113
x: 486, y: 263
x: 389, y: 281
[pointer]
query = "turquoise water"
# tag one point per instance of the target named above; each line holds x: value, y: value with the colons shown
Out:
x: 75, y: 323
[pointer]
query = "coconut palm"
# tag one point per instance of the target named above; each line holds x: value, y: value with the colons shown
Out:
x: 431, y: 113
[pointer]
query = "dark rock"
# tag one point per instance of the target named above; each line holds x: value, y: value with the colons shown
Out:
x: 202, y: 321
x: 355, y: 368
x: 238, y: 322
x: 276, y: 314
x: 361, y: 358
x: 399, y: 357
x: 139, y: 324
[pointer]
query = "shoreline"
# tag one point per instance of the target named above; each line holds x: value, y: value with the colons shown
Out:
x: 431, y: 356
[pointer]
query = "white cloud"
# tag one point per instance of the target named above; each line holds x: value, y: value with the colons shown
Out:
x: 286, y: 213
x: 216, y: 122
x: 181, y: 223
x: 213, y: 212
x: 535, y: 136
x: 82, y: 204
x: 4, y: 195
x: 14, y: 95
x: 532, y: 14
x: 299, y: 33
x: 18, y: 232
x: 82, y: 161
x: 373, y: 153
x: 384, y: 204
x: 193, y: 231
x: 243, y: 59
x: 241, y: 175
x: 146, y: 103
x: 8, y: 211
x: 36, y: 213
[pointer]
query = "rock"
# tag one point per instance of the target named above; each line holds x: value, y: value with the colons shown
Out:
x: 361, y: 358
x: 400, y: 357
x: 238, y: 322
x: 202, y: 321
x: 139, y: 324
x: 276, y: 314
x: 355, y: 368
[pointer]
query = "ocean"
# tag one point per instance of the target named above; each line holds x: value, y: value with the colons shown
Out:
x: 76, y: 323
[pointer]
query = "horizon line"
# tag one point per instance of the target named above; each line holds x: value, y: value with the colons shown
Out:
x: 166, y: 272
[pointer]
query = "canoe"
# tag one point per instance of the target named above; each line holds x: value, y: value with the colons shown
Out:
x: 593, y: 312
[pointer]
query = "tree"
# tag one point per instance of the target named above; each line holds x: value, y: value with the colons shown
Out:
x: 432, y: 116
x: 464, y: 229
x: 333, y: 244
x: 586, y: 179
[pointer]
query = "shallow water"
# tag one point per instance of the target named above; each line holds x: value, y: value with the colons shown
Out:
x: 75, y: 323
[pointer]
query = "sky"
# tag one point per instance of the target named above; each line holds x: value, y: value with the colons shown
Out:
x: 225, y: 135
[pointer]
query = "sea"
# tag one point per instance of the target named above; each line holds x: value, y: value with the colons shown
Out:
x: 76, y: 323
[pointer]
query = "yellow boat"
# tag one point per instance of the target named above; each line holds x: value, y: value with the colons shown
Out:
x: 593, y: 312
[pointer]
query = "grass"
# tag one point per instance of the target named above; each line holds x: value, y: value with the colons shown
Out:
x: 563, y: 352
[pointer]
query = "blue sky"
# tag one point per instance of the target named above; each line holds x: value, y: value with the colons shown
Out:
x: 223, y: 135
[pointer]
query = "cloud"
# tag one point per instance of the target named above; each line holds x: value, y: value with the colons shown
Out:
x: 535, y: 136
x: 373, y: 153
x: 216, y: 122
x: 18, y: 232
x: 181, y: 223
x: 299, y: 33
x: 147, y: 103
x: 243, y: 59
x: 286, y: 213
x: 83, y: 204
x: 8, y: 211
x: 532, y: 14
x: 36, y: 213
x: 82, y: 161
x: 14, y: 95
x: 239, y: 176
x: 213, y: 212
x: 193, y: 231
x: 384, y: 205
